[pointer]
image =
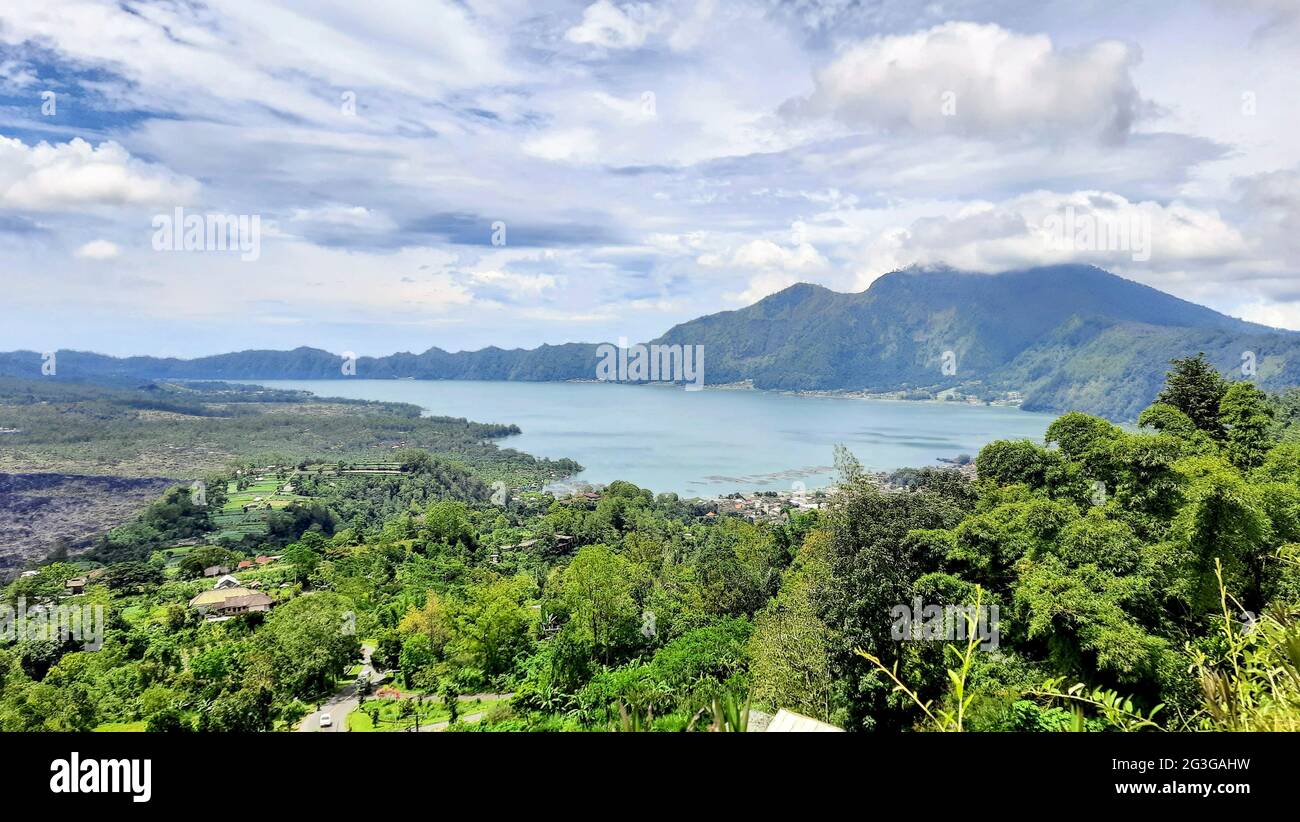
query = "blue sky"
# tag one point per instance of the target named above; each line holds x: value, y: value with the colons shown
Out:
x: 649, y: 162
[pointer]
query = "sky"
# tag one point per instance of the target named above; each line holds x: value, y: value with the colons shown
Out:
x: 464, y: 174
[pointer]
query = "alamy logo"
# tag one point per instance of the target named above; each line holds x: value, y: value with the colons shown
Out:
x: 950, y: 623
x: 179, y: 231
x: 77, y: 775
x: 651, y: 363
x: 1073, y: 231
x: 83, y: 623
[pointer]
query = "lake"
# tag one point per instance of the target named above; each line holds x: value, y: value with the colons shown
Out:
x: 702, y: 443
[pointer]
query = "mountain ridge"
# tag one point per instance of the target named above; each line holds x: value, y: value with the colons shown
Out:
x: 1067, y: 337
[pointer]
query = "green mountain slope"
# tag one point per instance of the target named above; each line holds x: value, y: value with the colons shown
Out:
x: 1068, y: 337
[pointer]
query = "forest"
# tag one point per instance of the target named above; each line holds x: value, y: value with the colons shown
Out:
x: 1140, y: 578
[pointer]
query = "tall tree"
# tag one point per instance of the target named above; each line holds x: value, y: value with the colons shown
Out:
x: 1247, y: 417
x: 597, y: 590
x: 1196, y: 388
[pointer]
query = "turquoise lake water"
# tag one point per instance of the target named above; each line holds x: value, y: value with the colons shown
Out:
x: 702, y: 443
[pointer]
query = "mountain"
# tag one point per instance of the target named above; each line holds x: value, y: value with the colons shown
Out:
x: 1067, y: 337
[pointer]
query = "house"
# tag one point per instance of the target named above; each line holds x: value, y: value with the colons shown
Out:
x: 262, y: 559
x: 215, y: 571
x: 244, y: 603
x: 75, y: 585
x: 244, y: 565
x: 229, y: 598
x: 563, y: 541
x: 28, y: 574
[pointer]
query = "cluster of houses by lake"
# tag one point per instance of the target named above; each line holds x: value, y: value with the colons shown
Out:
x: 768, y: 506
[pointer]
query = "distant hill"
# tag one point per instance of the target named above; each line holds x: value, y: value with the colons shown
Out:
x: 1068, y: 337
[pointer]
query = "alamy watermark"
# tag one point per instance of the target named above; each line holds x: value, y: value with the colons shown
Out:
x: 1088, y: 231
x: 179, y: 231
x: 82, y: 623
x: 945, y: 623
x: 90, y: 775
x: 651, y: 363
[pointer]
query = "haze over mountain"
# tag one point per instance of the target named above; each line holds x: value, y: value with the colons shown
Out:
x: 1068, y: 337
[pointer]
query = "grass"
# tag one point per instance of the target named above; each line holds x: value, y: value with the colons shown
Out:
x: 391, y: 720
x: 121, y: 727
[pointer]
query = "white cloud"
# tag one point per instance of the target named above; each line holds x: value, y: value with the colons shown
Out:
x: 1275, y: 314
x: 577, y: 144
x: 334, y: 216
x: 768, y: 254
x: 974, y: 79
x: 763, y: 285
x: 472, y: 111
x: 15, y: 75
x: 1152, y: 242
x: 521, y: 286
x: 182, y: 56
x: 75, y: 174
x: 610, y: 26
x: 1271, y: 205
x: 98, y: 250
x: 767, y: 267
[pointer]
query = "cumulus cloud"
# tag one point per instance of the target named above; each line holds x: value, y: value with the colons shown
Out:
x: 768, y: 266
x: 979, y: 80
x: 610, y: 26
x: 1144, y: 238
x: 768, y: 254
x: 75, y: 174
x: 98, y: 250
x: 651, y: 160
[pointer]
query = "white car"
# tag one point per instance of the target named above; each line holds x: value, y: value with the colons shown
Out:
x: 325, y: 721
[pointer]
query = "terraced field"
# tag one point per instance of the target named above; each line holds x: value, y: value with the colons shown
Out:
x: 246, y: 509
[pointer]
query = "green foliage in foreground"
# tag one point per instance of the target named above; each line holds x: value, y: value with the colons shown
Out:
x: 1124, y: 565
x: 1143, y: 579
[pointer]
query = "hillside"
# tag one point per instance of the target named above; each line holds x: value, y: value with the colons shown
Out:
x: 1068, y: 337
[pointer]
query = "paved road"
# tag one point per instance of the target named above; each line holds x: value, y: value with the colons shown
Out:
x: 338, y: 707
x: 344, y: 702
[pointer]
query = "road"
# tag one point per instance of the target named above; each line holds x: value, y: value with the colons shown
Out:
x: 344, y: 702
x: 338, y: 707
